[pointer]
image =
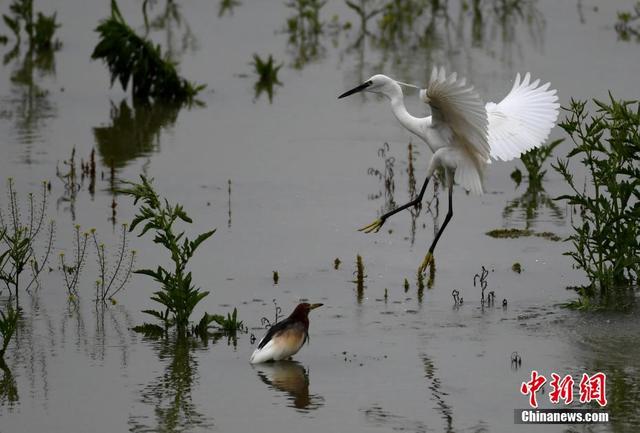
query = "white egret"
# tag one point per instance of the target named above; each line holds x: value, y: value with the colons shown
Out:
x: 464, y: 133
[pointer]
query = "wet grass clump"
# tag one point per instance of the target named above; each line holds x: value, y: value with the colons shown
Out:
x: 267, y: 72
x: 130, y: 57
x: 177, y: 295
x: 521, y: 233
x: 606, y: 236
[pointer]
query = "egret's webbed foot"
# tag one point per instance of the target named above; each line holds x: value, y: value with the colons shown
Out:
x: 374, y: 227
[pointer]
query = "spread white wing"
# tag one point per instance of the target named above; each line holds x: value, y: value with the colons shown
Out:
x: 458, y: 106
x: 522, y: 120
x: 459, y: 113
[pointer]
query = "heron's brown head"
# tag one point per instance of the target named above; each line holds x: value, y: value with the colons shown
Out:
x: 303, y: 309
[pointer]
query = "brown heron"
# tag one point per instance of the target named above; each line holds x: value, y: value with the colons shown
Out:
x: 285, y: 338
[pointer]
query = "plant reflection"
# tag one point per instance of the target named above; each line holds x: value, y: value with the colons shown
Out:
x: 387, y: 177
x: 170, y: 394
x: 304, y: 29
x: 31, y: 102
x: 227, y: 6
x: 435, y: 386
x: 528, y: 206
x: 291, y: 378
x: 179, y: 36
x: 8, y: 387
x: 133, y: 132
x: 415, y: 33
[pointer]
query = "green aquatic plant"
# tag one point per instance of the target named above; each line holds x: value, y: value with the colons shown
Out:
x: 130, y: 57
x: 177, y: 295
x: 267, y: 72
x: 628, y: 24
x: 533, y: 161
x: 360, y: 276
x: 112, y: 278
x: 71, y: 270
x: 228, y: 325
x: 19, y: 236
x: 606, y: 236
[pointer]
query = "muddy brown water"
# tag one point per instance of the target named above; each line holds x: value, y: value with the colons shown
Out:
x: 305, y: 172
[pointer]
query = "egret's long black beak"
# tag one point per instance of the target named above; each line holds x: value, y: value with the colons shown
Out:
x: 357, y: 89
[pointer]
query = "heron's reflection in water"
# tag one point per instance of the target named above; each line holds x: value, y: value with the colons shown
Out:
x: 291, y: 378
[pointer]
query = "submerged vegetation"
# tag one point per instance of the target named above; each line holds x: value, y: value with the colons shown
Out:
x: 130, y: 57
x: 606, y: 237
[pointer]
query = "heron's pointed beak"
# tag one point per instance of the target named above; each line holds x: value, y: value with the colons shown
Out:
x: 357, y: 89
x: 314, y: 306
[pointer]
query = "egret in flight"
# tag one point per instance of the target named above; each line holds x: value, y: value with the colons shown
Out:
x: 464, y: 133
x: 285, y: 338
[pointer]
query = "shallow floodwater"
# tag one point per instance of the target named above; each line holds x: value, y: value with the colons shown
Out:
x: 287, y: 184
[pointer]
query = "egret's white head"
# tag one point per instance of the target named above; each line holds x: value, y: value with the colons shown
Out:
x: 378, y: 83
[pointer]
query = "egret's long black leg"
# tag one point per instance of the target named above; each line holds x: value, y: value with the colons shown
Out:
x: 375, y: 226
x: 429, y: 257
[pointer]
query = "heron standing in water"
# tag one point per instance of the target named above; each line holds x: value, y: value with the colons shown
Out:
x: 464, y: 133
x: 285, y: 338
